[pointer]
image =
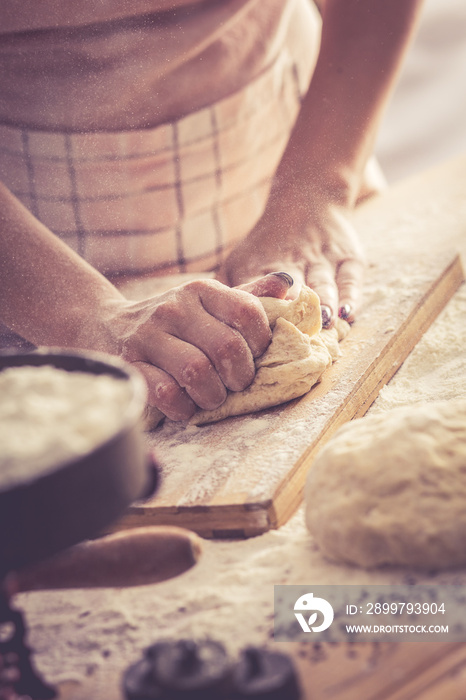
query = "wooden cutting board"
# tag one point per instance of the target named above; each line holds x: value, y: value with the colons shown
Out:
x: 245, y: 475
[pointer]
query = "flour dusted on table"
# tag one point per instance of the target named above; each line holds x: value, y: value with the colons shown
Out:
x: 391, y: 489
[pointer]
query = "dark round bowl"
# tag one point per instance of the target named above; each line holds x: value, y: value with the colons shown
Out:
x: 48, y: 512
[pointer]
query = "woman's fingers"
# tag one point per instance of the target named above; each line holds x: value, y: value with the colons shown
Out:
x: 339, y: 292
x: 190, y: 368
x: 165, y: 393
x: 321, y: 278
x: 349, y: 278
x: 275, y: 284
x: 199, y: 341
x: 296, y: 271
x: 239, y: 310
x: 225, y: 347
x: 255, y: 262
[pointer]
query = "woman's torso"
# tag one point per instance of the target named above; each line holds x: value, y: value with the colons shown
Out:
x: 131, y: 68
x: 148, y: 142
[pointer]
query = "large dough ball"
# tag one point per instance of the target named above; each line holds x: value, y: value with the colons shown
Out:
x: 294, y: 361
x: 391, y: 489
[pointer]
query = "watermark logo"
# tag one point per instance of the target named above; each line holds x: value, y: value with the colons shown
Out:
x: 308, y: 604
x: 404, y: 612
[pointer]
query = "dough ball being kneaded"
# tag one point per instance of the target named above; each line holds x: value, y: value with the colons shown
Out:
x: 294, y: 361
x: 391, y: 489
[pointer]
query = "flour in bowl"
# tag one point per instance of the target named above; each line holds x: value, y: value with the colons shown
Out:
x: 49, y: 415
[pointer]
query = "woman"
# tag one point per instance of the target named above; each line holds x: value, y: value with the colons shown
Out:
x: 158, y: 136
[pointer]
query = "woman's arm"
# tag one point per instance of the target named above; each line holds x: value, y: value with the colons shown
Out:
x: 191, y: 343
x: 48, y: 293
x: 306, y: 227
x: 362, y: 48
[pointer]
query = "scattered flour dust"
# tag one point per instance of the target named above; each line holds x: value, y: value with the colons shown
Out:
x: 436, y: 368
x: 228, y: 595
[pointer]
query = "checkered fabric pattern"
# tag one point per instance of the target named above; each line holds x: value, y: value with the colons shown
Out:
x: 174, y: 198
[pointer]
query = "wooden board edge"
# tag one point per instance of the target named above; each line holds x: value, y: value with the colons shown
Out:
x: 211, y: 522
x: 288, y: 496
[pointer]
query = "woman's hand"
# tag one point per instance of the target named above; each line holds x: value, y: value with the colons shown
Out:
x: 309, y: 235
x: 195, y: 341
x: 306, y: 227
x: 191, y: 343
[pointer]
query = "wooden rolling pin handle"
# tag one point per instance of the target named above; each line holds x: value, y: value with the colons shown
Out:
x: 128, y: 558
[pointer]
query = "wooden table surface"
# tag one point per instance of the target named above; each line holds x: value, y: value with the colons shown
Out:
x: 384, y: 671
x: 427, y: 216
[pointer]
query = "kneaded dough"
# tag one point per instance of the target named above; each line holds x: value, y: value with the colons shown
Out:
x: 295, y: 360
x: 391, y: 489
x: 333, y: 336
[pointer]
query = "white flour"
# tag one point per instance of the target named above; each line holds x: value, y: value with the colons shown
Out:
x: 49, y: 416
x: 436, y: 368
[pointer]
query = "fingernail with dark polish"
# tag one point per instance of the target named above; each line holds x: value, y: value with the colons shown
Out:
x: 344, y: 311
x: 284, y: 276
x: 326, y: 316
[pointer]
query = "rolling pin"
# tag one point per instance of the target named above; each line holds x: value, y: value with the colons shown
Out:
x: 129, y: 558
